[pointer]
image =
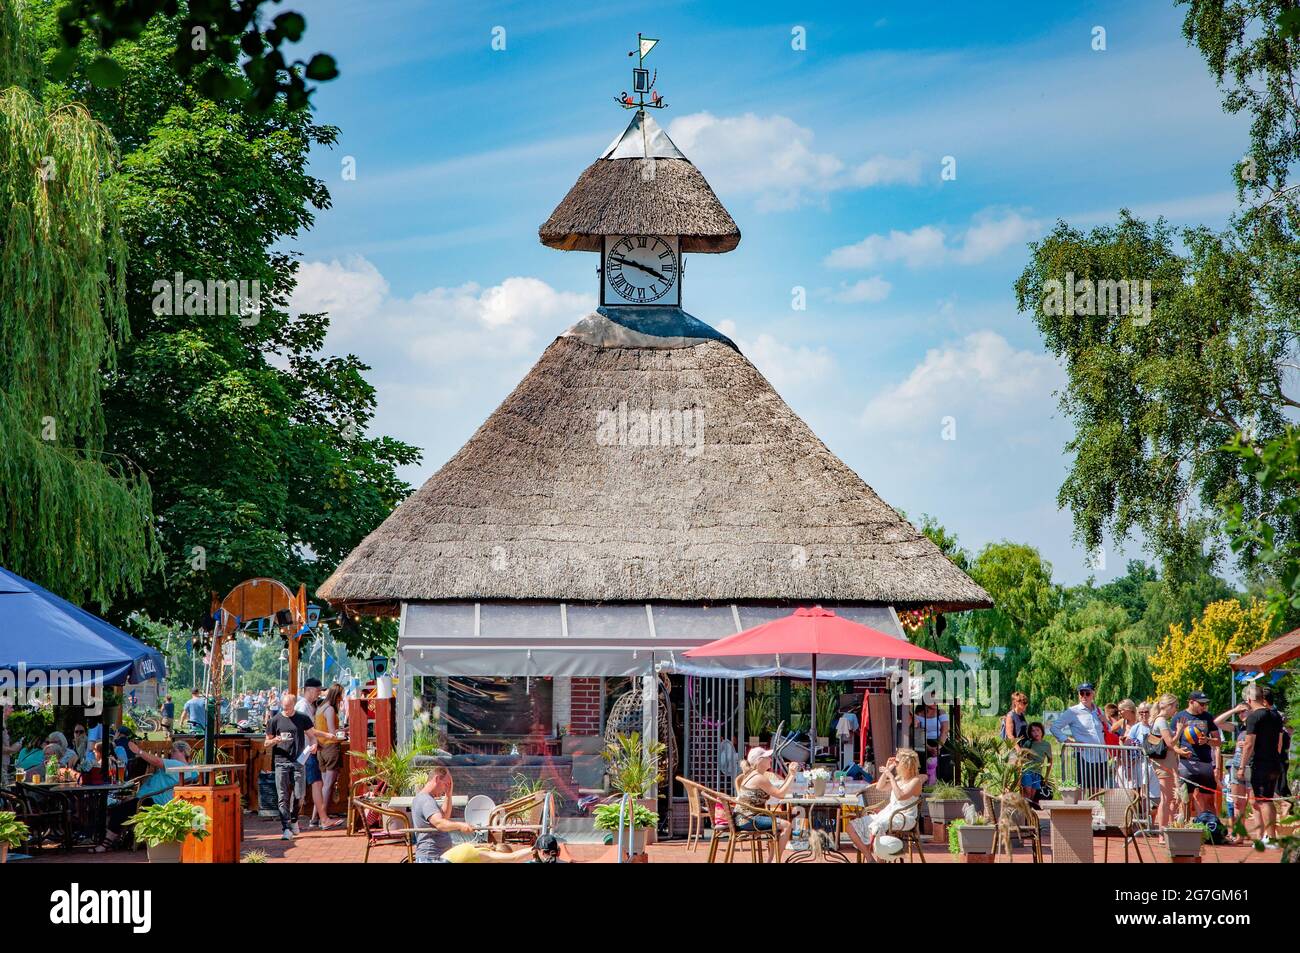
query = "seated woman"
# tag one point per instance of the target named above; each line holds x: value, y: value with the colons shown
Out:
x: 901, y: 777
x: 753, y: 790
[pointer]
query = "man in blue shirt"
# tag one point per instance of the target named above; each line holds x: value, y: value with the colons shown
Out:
x: 1084, y: 725
x: 196, y: 711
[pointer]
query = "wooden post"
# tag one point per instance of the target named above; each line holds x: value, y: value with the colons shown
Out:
x: 385, y: 722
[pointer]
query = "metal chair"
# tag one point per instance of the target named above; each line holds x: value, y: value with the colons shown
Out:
x: 719, y: 818
x: 1003, y: 809
x: 751, y: 836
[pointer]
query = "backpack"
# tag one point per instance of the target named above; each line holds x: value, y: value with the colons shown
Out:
x: 1213, y: 827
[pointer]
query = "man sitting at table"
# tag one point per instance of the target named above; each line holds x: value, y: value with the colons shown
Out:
x: 432, y: 820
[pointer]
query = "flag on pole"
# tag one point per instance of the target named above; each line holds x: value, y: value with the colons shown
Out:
x: 647, y: 45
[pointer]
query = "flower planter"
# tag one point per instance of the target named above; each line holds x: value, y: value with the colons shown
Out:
x: 1071, y: 795
x: 1184, y: 841
x: 977, y: 839
x: 4, y: 853
x: 819, y: 787
x: 946, y: 810
x: 165, y: 853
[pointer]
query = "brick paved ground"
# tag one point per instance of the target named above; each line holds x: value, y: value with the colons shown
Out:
x: 336, y: 847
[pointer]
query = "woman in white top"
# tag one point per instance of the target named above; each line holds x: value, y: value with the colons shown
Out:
x: 1166, y: 767
x: 902, y: 778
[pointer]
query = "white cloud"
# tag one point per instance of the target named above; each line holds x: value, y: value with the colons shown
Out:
x: 983, y: 376
x: 773, y: 158
x: 788, y: 367
x: 986, y: 237
x: 440, y: 326
x: 868, y: 290
x: 919, y: 247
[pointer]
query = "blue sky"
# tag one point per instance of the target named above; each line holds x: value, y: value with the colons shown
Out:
x: 829, y: 159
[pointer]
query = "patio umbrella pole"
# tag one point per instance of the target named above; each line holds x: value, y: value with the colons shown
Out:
x: 812, y: 715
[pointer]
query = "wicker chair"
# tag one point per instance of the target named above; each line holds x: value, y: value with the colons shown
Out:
x: 518, y: 821
x: 752, y: 836
x: 366, y: 786
x: 714, y: 802
x: 1026, y: 828
x: 1121, y: 808
x: 383, y: 826
x: 876, y: 799
x: 697, y: 812
x: 46, y: 813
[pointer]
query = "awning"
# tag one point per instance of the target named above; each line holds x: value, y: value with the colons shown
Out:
x: 583, y: 639
x: 1283, y: 649
x: 45, y: 634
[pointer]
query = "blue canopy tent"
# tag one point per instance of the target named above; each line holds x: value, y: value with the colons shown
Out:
x: 63, y: 645
x: 48, y: 634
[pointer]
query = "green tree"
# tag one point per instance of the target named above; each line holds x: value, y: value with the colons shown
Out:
x: 255, y: 441
x: 1155, y: 396
x: 1091, y: 642
x: 72, y: 517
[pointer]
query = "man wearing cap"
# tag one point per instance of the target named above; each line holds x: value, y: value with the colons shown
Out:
x: 1201, y: 765
x: 1084, y: 724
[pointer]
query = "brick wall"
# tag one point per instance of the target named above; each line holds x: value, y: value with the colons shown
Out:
x: 585, y: 703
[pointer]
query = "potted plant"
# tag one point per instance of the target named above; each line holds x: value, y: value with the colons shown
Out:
x: 12, y: 833
x: 635, y: 769
x: 759, y: 708
x: 1185, y: 838
x: 643, y: 819
x: 976, y: 836
x: 945, y: 802
x: 163, y: 827
x: 817, y: 778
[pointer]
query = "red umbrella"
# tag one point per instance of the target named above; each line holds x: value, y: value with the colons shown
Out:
x: 815, y: 632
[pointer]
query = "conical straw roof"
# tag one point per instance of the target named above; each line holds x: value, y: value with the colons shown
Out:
x: 641, y: 185
x: 644, y: 458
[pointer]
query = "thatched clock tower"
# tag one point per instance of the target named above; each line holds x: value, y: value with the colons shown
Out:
x: 643, y: 490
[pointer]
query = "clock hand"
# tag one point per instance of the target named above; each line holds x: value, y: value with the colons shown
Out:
x: 638, y: 265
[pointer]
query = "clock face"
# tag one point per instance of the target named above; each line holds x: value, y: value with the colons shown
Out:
x: 641, y: 269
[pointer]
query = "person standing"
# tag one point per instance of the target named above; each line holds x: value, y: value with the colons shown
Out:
x: 1084, y: 724
x: 196, y: 712
x: 168, y: 713
x: 1261, y: 752
x: 288, y: 734
x: 1015, y: 727
x: 328, y: 755
x: 307, y: 705
x: 432, y: 820
x: 1200, y: 763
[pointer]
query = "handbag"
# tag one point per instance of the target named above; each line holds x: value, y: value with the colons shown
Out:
x: 1153, y: 745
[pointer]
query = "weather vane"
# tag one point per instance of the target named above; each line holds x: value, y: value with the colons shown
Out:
x: 642, y: 81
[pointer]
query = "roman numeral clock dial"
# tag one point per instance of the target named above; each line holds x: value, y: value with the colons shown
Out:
x: 641, y: 269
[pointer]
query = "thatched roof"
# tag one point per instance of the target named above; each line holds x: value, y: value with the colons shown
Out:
x: 552, y: 498
x: 641, y: 185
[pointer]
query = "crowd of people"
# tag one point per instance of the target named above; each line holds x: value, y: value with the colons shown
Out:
x: 1174, y: 756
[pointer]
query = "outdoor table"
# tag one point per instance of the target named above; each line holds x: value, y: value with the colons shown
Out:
x: 1071, y: 829
x: 86, y: 804
x: 812, y: 803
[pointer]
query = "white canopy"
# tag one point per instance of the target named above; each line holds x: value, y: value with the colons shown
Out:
x: 583, y: 639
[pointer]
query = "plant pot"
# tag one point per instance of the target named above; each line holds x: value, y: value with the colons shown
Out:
x: 4, y: 853
x: 754, y: 741
x: 165, y: 853
x: 976, y: 838
x: 946, y: 810
x: 1184, y: 841
x: 819, y: 787
x: 1071, y: 795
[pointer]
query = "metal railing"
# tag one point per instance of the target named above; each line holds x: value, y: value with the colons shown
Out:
x: 1097, y: 768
